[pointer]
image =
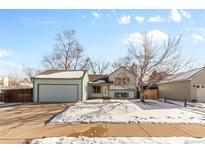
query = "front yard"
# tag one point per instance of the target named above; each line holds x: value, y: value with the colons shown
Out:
x: 24, y: 123
x: 129, y: 111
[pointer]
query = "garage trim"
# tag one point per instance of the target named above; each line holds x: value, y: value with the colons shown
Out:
x: 57, y: 84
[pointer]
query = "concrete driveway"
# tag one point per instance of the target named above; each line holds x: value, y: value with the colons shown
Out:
x: 20, y: 124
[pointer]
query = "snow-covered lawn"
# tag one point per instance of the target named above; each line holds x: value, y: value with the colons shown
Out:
x: 119, y: 140
x: 128, y: 111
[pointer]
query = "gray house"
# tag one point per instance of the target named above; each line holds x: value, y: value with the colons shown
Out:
x: 73, y: 86
x: 189, y: 85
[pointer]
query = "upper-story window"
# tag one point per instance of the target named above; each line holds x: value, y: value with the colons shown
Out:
x: 122, y: 79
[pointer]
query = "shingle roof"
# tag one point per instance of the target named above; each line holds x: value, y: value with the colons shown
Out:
x: 60, y: 74
x: 181, y: 76
x: 94, y: 77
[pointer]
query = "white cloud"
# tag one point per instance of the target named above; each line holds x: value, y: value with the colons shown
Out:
x: 139, y: 19
x: 96, y: 14
x: 4, y: 52
x: 137, y: 38
x: 156, y: 19
x: 124, y: 19
x: 175, y: 16
x: 185, y: 14
x: 157, y: 35
x: 197, y: 38
x: 134, y: 38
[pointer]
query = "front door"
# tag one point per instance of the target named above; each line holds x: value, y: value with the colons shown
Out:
x: 104, y: 91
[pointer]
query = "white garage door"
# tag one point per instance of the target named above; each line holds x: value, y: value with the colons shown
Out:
x: 200, y: 94
x: 58, y: 93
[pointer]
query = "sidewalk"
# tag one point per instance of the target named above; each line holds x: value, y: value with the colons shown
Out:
x: 22, y: 135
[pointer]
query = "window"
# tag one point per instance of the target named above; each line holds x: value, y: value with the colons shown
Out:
x: 121, y: 94
x: 128, y: 80
x: 198, y: 86
x: 202, y: 86
x: 122, y: 79
x: 194, y: 85
x: 96, y: 89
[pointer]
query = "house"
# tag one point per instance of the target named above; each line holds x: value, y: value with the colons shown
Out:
x: 119, y: 84
x: 188, y: 85
x: 73, y: 86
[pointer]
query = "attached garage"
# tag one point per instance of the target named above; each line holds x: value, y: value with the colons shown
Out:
x: 60, y: 86
x: 57, y: 93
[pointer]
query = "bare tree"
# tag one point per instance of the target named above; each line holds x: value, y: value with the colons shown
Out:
x: 30, y: 72
x: 148, y: 56
x: 124, y: 61
x: 67, y: 53
x: 98, y: 66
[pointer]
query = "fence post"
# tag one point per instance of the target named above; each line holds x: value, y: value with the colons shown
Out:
x: 23, y: 95
x: 185, y: 102
x: 3, y: 95
x: 165, y: 99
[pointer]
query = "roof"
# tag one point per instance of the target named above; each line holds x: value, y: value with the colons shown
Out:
x: 46, y: 72
x: 181, y: 76
x: 61, y: 74
x: 120, y: 68
x: 95, y: 77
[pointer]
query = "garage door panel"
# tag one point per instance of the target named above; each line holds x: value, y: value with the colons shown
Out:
x: 200, y: 93
x: 58, y: 93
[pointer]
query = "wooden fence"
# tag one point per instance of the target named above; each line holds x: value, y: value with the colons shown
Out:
x: 151, y: 94
x: 1, y: 97
x: 17, y: 95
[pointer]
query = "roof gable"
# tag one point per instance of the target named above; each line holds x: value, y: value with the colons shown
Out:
x: 184, y: 76
x: 122, y: 67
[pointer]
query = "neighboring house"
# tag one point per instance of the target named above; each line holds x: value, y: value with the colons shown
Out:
x: 20, y: 82
x: 156, y: 77
x: 188, y: 85
x: 72, y: 86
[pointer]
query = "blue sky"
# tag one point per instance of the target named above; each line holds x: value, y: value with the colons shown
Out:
x: 27, y: 35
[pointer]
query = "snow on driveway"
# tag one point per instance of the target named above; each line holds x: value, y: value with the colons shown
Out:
x: 119, y: 140
x: 128, y: 111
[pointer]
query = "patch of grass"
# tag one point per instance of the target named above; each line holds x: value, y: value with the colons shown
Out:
x: 149, y: 103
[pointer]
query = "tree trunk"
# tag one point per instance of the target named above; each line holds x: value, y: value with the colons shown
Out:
x: 142, y: 94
